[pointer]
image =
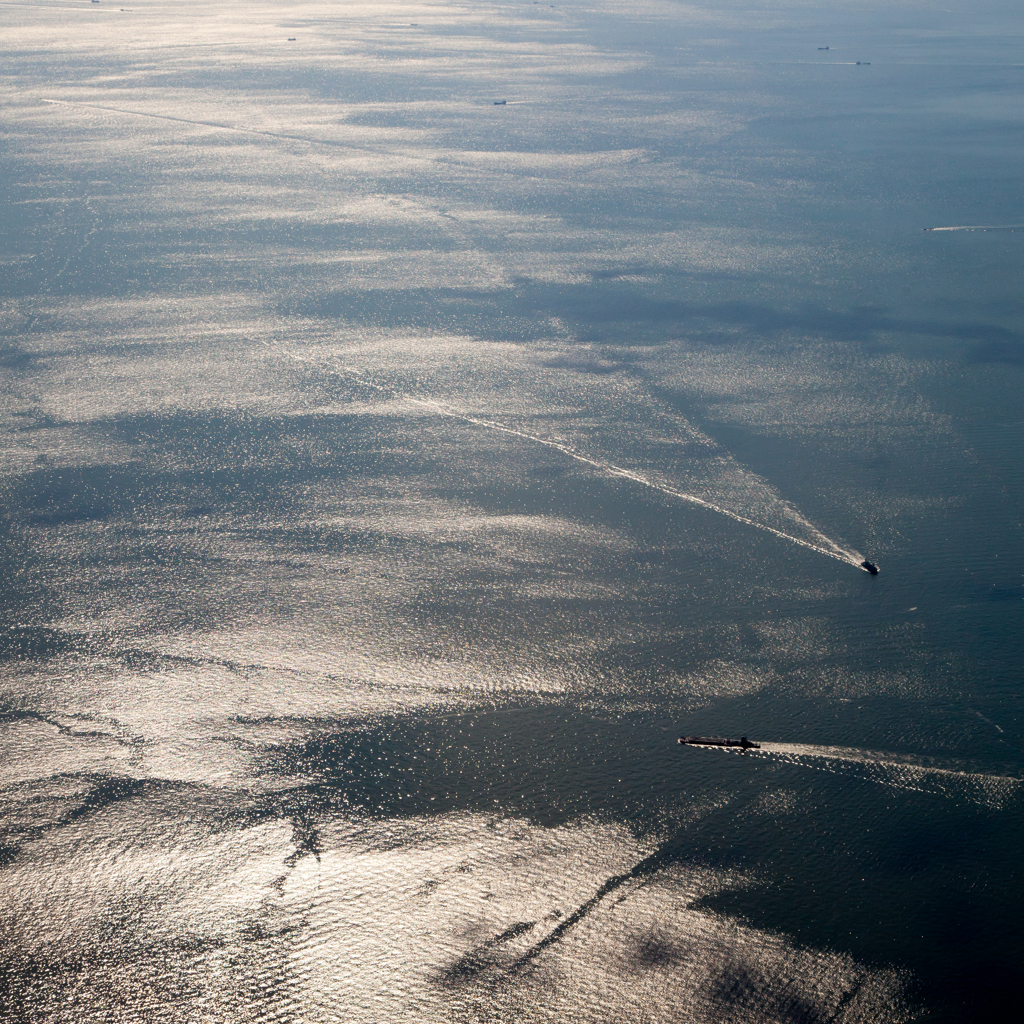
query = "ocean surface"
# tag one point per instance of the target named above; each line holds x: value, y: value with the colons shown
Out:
x: 414, y: 416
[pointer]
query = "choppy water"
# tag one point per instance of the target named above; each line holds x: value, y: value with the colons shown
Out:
x: 390, y: 476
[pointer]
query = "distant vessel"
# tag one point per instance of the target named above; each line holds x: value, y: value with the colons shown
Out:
x: 822, y: 47
x: 717, y: 741
x: 500, y: 103
x: 869, y: 567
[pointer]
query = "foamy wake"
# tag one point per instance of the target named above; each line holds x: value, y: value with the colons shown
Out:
x: 979, y: 227
x: 819, y: 542
x: 898, y: 771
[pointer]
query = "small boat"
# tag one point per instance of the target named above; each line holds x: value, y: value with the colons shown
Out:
x: 718, y: 741
x: 869, y: 567
x: 500, y: 103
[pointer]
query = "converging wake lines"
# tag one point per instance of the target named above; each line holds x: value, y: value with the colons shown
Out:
x: 821, y: 544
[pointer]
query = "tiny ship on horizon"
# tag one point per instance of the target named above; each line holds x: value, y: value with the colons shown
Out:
x: 718, y: 741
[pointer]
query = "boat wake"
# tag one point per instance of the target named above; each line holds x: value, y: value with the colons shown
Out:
x: 898, y: 771
x: 980, y: 227
x: 819, y: 542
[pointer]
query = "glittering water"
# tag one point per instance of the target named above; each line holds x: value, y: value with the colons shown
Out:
x: 391, y: 474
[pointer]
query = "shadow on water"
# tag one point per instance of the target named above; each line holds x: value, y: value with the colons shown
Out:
x: 891, y: 866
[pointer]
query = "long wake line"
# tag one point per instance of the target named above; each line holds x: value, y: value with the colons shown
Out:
x: 824, y: 547
x: 989, y: 790
x: 980, y: 227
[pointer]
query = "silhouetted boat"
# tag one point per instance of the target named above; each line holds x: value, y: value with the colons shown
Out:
x: 869, y: 567
x: 718, y: 741
x: 500, y: 103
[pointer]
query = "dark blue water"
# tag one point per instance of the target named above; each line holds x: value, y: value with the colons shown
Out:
x: 391, y: 476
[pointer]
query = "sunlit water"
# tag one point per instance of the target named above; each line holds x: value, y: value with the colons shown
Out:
x: 390, y: 474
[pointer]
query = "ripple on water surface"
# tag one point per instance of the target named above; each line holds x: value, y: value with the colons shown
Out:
x: 457, y: 917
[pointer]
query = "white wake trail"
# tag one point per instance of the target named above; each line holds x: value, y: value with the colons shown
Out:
x: 980, y: 227
x: 896, y: 771
x: 821, y: 544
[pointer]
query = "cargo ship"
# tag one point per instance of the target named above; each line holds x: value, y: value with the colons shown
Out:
x: 718, y: 741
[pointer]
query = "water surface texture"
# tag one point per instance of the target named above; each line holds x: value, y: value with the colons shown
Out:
x: 415, y: 416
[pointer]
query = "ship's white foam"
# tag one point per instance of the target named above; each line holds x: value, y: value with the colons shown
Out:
x: 979, y: 227
x: 819, y: 542
x: 900, y: 771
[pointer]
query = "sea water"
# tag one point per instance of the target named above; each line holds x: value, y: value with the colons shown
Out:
x: 391, y: 474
